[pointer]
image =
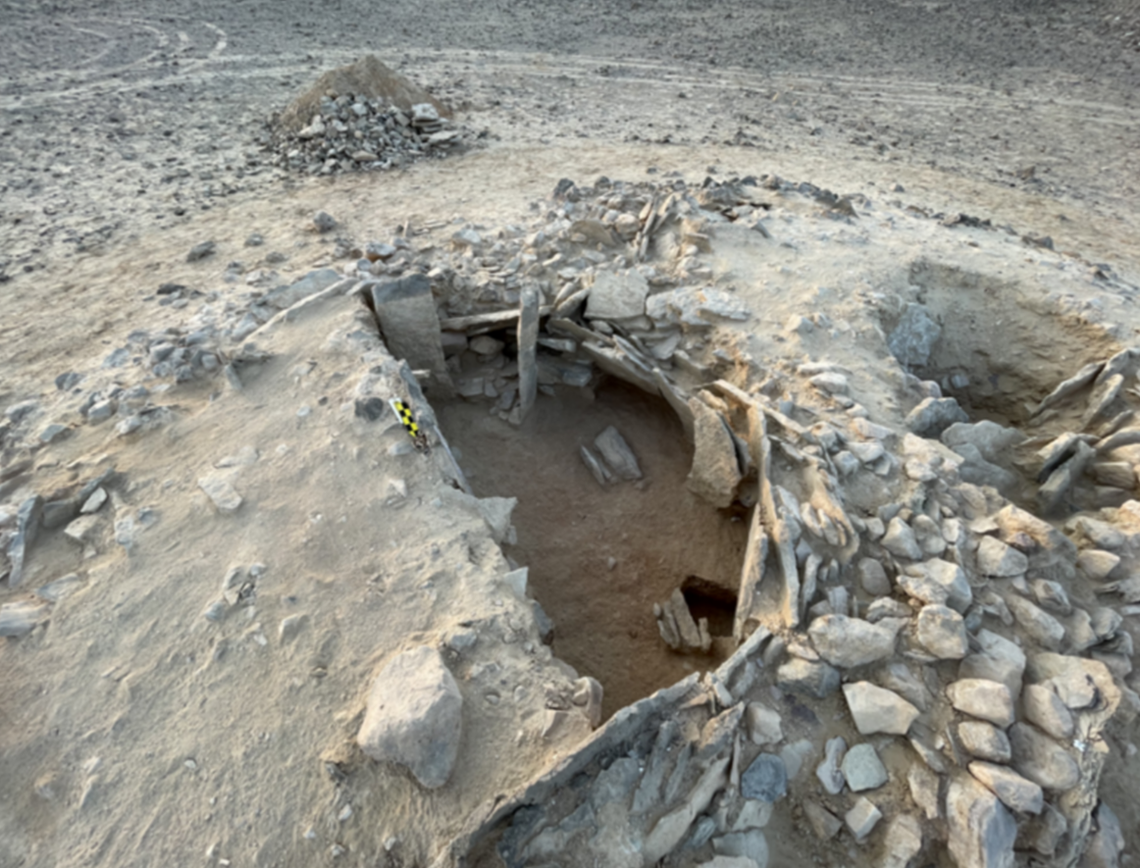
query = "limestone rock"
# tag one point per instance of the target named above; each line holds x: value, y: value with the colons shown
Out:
x: 763, y: 724
x: 1015, y: 792
x: 617, y: 454
x: 998, y: 560
x: 934, y: 415
x: 878, y: 710
x: 863, y: 769
x: 998, y: 659
x: 1106, y: 844
x: 409, y: 322
x: 715, y: 471
x: 942, y: 632
x: 1041, y: 759
x: 984, y: 740
x: 848, y: 642
x: 803, y: 676
x: 873, y: 578
x: 1045, y: 709
x: 899, y: 540
x: 938, y: 581
x: 923, y: 784
x: 617, y: 295
x: 862, y: 818
x: 987, y: 700
x: 1040, y: 625
x: 901, y: 842
x: 982, y: 831
x: 414, y: 716
x: 221, y: 493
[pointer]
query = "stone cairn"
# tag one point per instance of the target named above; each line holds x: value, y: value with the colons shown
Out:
x: 970, y: 651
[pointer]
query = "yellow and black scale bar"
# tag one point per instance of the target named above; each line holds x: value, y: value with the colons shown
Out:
x: 404, y: 414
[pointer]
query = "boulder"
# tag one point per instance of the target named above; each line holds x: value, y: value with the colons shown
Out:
x: 982, y: 830
x: 996, y: 559
x: 1041, y: 759
x: 987, y: 700
x: 848, y: 642
x: 875, y: 709
x: 1015, y: 792
x: 913, y: 339
x: 900, y: 541
x: 1044, y: 708
x: 414, y: 716
x: 804, y: 676
x: 934, y: 415
x: 984, y: 740
x: 938, y: 581
x: 715, y: 471
x: 942, y: 632
x: 617, y: 295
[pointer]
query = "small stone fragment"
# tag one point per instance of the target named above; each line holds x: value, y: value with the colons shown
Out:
x: 221, y: 493
x: 984, y: 740
x: 862, y: 818
x: 878, y: 710
x: 863, y: 769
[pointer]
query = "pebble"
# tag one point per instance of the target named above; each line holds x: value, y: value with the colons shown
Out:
x: 862, y: 818
x: 201, y: 251
x: 95, y: 502
x: 324, y: 222
x: 221, y: 493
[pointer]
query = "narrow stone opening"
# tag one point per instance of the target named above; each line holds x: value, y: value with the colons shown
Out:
x: 601, y: 556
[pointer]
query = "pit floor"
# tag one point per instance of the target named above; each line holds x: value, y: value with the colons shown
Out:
x: 569, y: 527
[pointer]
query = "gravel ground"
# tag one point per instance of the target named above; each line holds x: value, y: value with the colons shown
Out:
x: 120, y: 117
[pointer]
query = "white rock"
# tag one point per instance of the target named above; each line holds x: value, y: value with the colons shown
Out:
x: 223, y: 495
x: 942, y: 632
x: 998, y: 560
x: 414, y: 716
x: 862, y: 818
x: 877, y: 710
x: 848, y: 642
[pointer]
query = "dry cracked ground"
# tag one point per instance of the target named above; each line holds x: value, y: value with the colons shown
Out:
x: 876, y: 545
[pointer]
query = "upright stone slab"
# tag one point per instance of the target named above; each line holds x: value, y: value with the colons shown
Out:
x: 528, y: 343
x: 410, y: 324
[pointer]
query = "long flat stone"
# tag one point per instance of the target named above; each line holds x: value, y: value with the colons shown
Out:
x: 410, y: 324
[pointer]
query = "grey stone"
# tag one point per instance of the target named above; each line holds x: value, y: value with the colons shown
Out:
x: 766, y: 779
x: 984, y: 740
x: 715, y: 472
x: 998, y: 659
x: 1040, y: 625
x: 795, y: 754
x: 1051, y: 596
x: 671, y: 828
x: 938, y: 581
x: 291, y: 626
x: 849, y: 642
x: 831, y: 382
x: 913, y: 339
x: 221, y: 493
x: 29, y: 520
x: 934, y: 415
x: 95, y: 502
x: 875, y: 709
x: 19, y: 619
x: 898, y: 677
x: 409, y: 322
x: 1043, y: 832
x: 873, y: 578
x: 803, y: 676
x: 324, y: 222
x: 617, y: 454
x: 928, y: 534
x: 862, y: 818
x: 982, y: 831
x: 1052, y: 494
x: 1045, y: 709
x: 82, y: 530
x: 863, y: 769
x: 617, y: 295
x: 900, y: 541
x: 986, y: 700
x: 828, y: 772
x: 763, y: 724
x: 1041, y: 759
x: 414, y: 716
x: 594, y: 464
x: 528, y: 344
x: 1015, y: 792
x: 201, y: 251
x: 942, y: 632
x: 997, y: 559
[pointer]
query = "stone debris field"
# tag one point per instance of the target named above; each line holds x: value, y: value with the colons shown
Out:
x: 727, y: 522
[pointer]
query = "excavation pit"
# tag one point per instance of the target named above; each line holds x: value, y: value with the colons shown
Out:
x: 599, y: 558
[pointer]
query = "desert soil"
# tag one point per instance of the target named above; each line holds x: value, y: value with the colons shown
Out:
x: 133, y: 731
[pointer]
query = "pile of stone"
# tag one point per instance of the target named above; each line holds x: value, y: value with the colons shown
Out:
x: 351, y: 133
